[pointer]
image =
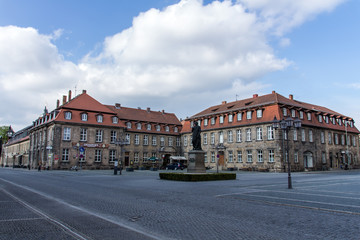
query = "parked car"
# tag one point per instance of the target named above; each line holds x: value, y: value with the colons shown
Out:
x: 175, y: 166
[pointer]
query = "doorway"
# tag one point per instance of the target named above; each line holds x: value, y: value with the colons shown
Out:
x: 308, y: 160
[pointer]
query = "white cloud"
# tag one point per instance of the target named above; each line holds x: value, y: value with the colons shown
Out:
x: 179, y: 58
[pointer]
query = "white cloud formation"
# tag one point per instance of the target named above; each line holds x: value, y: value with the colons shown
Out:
x: 185, y: 53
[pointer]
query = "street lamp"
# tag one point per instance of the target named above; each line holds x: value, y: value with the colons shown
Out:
x: 286, y: 125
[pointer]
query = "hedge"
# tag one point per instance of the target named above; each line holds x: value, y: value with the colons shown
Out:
x: 189, y: 177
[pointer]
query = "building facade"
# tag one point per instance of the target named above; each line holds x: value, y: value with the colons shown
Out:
x: 240, y: 135
x: 83, y: 132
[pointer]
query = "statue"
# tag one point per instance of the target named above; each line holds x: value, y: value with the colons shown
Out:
x: 196, y: 137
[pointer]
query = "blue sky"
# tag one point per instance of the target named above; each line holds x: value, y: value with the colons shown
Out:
x: 180, y: 56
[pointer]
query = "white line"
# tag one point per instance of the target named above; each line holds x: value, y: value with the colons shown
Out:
x: 83, y: 210
x: 313, y: 194
x: 20, y: 219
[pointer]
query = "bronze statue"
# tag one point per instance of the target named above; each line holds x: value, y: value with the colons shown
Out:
x: 196, y: 136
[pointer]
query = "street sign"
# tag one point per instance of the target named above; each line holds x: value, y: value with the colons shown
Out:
x: 81, y: 149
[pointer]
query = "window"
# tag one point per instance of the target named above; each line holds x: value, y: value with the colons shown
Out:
x: 239, y: 116
x: 205, y: 138
x: 205, y: 158
x: 354, y: 141
x: 136, y: 140
x: 230, y: 136
x: 230, y: 118
x: 67, y: 134
x: 259, y: 113
x: 329, y: 138
x: 99, y: 118
x: 239, y: 156
x: 213, y: 121
x: 320, y: 118
x: 167, y: 128
x: 259, y: 136
x: 221, y: 119
x: 176, y: 129
x: 162, y: 141
x: 322, y: 137
x: 303, y: 135
x: 271, y: 155
x: 308, y: 116
x: 170, y: 141
x: 84, y: 117
x: 138, y: 126
x: 336, y: 138
x: 128, y: 124
x: 112, y: 136
x: 67, y: 115
x: 148, y: 127
x: 260, y: 156
x: 238, y: 135
x: 270, y: 133
x: 136, y: 157
x: 301, y: 113
x: 212, y: 138
x: 221, y: 137
x: 248, y: 114
x: 212, y: 157
x: 112, y: 155
x: 115, y: 120
x: 158, y: 128
x: 293, y: 113
x: 146, y: 140
x: 311, y: 136
x: 185, y: 141
x: 178, y: 142
x: 65, y: 155
x: 206, y: 122
x: 98, y: 154
x: 342, y: 139
x: 284, y: 111
x: 99, y: 136
x: 145, y: 156
x: 248, y: 134
x: 231, y: 156
x: 154, y: 140
x: 327, y: 119
x: 249, y: 156
x: 295, y: 134
x: 296, y: 157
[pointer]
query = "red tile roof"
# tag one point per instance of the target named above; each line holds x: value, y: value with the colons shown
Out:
x: 84, y: 102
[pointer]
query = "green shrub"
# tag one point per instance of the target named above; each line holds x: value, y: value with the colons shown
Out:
x: 197, y: 177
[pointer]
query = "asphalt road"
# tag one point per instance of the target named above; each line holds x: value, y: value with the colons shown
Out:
x: 138, y: 205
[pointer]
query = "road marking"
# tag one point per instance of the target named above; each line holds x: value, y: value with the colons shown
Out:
x: 83, y: 210
x: 20, y: 219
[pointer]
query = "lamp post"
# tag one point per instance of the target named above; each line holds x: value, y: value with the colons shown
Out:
x: 121, y: 141
x: 286, y: 125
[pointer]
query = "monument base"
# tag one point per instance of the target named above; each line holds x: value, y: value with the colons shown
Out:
x: 196, y: 162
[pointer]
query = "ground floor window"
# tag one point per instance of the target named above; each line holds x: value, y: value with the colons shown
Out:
x: 212, y: 157
x: 65, y: 155
x: 112, y: 155
x: 260, y: 156
x: 239, y: 156
x: 98, y: 155
x: 249, y: 156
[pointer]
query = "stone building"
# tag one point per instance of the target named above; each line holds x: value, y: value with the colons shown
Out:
x: 240, y: 135
x: 83, y: 132
x: 15, y: 152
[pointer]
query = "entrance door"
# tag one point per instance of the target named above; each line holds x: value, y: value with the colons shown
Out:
x: 221, y: 159
x: 126, y: 159
x: 308, y: 160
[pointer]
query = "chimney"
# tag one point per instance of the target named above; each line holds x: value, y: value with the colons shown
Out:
x: 291, y: 97
x: 84, y: 91
x: 273, y: 92
x: 163, y: 111
x: 148, y: 109
x: 223, y: 102
x: 57, y: 103
x: 64, y: 99
x: 255, y: 95
x: 69, y: 95
x: 117, y: 105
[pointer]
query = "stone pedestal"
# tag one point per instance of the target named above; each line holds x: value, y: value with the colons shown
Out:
x: 196, y: 162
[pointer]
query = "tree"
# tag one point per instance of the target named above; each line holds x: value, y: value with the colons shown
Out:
x: 3, y: 133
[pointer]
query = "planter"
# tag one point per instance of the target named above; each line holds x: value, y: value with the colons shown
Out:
x: 129, y: 169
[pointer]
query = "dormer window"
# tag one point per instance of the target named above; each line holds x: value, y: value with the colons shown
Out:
x: 301, y: 113
x: 84, y: 117
x: 259, y: 113
x: 284, y: 111
x: 67, y: 115
x: 309, y: 116
x: 239, y: 116
x: 148, y: 127
x: 221, y: 119
x: 167, y: 129
x: 128, y: 124
x: 248, y: 115
x: 293, y: 112
x: 99, y: 118
x: 230, y: 118
x: 320, y: 118
x: 138, y: 126
x: 176, y: 129
x: 158, y: 128
x: 115, y: 120
x: 206, y: 122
